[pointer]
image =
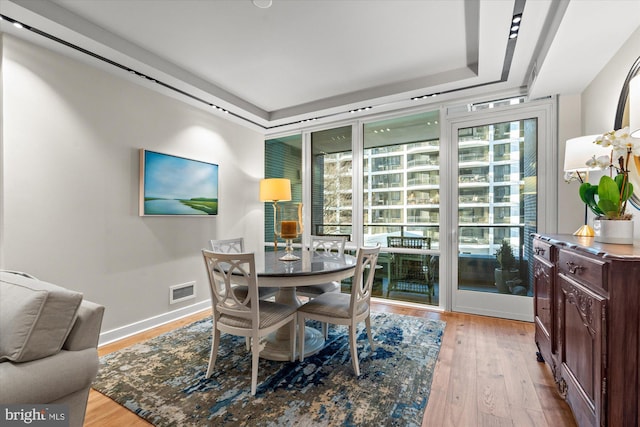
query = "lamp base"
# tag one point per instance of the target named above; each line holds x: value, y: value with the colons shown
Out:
x: 289, y: 256
x: 585, y: 231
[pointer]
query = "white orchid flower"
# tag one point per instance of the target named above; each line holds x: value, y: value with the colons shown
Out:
x: 603, y: 162
x: 622, y: 147
x: 603, y: 140
x: 620, y: 151
x: 622, y: 134
x: 570, y: 176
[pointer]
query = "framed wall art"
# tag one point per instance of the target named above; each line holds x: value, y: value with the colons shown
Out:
x: 176, y: 186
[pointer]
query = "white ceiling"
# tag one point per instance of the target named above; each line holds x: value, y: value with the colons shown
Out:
x: 302, y: 59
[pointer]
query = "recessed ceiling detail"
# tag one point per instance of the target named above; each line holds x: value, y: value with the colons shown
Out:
x: 301, y: 61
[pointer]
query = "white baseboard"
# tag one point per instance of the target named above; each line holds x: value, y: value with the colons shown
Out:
x: 152, y: 322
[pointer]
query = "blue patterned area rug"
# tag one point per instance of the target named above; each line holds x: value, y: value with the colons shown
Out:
x: 163, y: 379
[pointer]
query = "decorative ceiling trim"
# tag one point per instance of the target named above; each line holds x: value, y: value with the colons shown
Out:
x: 334, y: 106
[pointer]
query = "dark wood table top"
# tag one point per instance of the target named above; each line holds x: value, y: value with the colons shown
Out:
x: 309, y: 264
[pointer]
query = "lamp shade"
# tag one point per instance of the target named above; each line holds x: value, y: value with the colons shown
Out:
x: 634, y: 107
x: 579, y: 150
x: 275, y: 190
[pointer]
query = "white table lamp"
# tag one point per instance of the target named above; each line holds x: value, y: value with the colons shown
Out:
x: 577, y: 152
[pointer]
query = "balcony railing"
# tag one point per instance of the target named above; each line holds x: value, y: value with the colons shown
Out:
x: 473, y: 157
x: 474, y: 198
x: 428, y: 180
x: 422, y: 162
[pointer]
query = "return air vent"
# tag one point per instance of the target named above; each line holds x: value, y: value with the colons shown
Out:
x: 183, y: 292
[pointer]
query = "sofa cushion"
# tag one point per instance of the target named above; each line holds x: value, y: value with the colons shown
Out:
x: 35, y: 317
x: 49, y: 379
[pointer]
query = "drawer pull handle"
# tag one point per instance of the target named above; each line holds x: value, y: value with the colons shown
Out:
x: 573, y: 267
x: 539, y: 251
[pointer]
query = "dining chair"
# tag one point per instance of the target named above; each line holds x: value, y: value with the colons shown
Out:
x: 242, y: 314
x: 327, y: 244
x: 236, y: 246
x: 345, y: 309
x: 411, y: 273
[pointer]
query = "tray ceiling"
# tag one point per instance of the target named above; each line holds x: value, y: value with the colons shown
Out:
x: 299, y: 60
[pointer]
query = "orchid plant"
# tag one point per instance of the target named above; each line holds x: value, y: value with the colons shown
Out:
x: 608, y: 199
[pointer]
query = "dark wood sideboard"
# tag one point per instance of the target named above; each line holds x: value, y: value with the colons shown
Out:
x: 587, y: 323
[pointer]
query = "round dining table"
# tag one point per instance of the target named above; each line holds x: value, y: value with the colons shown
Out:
x: 313, y: 268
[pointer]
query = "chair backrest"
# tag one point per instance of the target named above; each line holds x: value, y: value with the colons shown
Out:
x: 228, y: 246
x: 410, y: 267
x: 409, y: 242
x: 223, y: 269
x: 328, y: 244
x: 363, y: 278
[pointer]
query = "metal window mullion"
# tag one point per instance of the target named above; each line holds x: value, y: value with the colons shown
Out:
x: 357, y: 184
x: 448, y: 209
x: 306, y: 187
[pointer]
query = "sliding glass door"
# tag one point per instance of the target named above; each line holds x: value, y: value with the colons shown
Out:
x: 398, y: 159
x: 495, y: 209
x: 451, y: 206
x: 401, y: 204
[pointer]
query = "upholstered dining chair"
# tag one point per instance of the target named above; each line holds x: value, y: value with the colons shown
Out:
x: 236, y: 246
x: 243, y: 314
x: 345, y: 309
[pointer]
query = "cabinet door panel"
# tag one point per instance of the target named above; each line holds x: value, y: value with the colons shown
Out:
x: 543, y: 276
x: 581, y: 350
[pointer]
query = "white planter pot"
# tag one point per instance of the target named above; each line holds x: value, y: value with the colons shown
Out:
x: 613, y: 231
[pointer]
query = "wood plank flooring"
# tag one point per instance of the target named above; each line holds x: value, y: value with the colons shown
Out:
x: 486, y: 375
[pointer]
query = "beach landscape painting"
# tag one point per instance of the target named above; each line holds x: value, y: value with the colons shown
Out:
x: 172, y: 185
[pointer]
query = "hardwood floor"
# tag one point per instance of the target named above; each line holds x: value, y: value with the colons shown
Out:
x: 486, y: 375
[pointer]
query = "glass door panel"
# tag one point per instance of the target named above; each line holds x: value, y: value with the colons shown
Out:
x: 282, y: 159
x: 497, y: 211
x: 401, y: 205
x: 331, y: 182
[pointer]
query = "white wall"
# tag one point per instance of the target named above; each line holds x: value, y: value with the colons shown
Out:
x: 600, y: 98
x: 71, y: 135
x: 571, y: 208
x: 592, y: 112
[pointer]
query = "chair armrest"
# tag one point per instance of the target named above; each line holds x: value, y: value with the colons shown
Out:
x: 86, y: 329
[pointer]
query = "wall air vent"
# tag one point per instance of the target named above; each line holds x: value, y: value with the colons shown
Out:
x: 182, y: 292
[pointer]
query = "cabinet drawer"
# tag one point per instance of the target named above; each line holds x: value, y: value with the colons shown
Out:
x: 542, y: 249
x: 591, y: 272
